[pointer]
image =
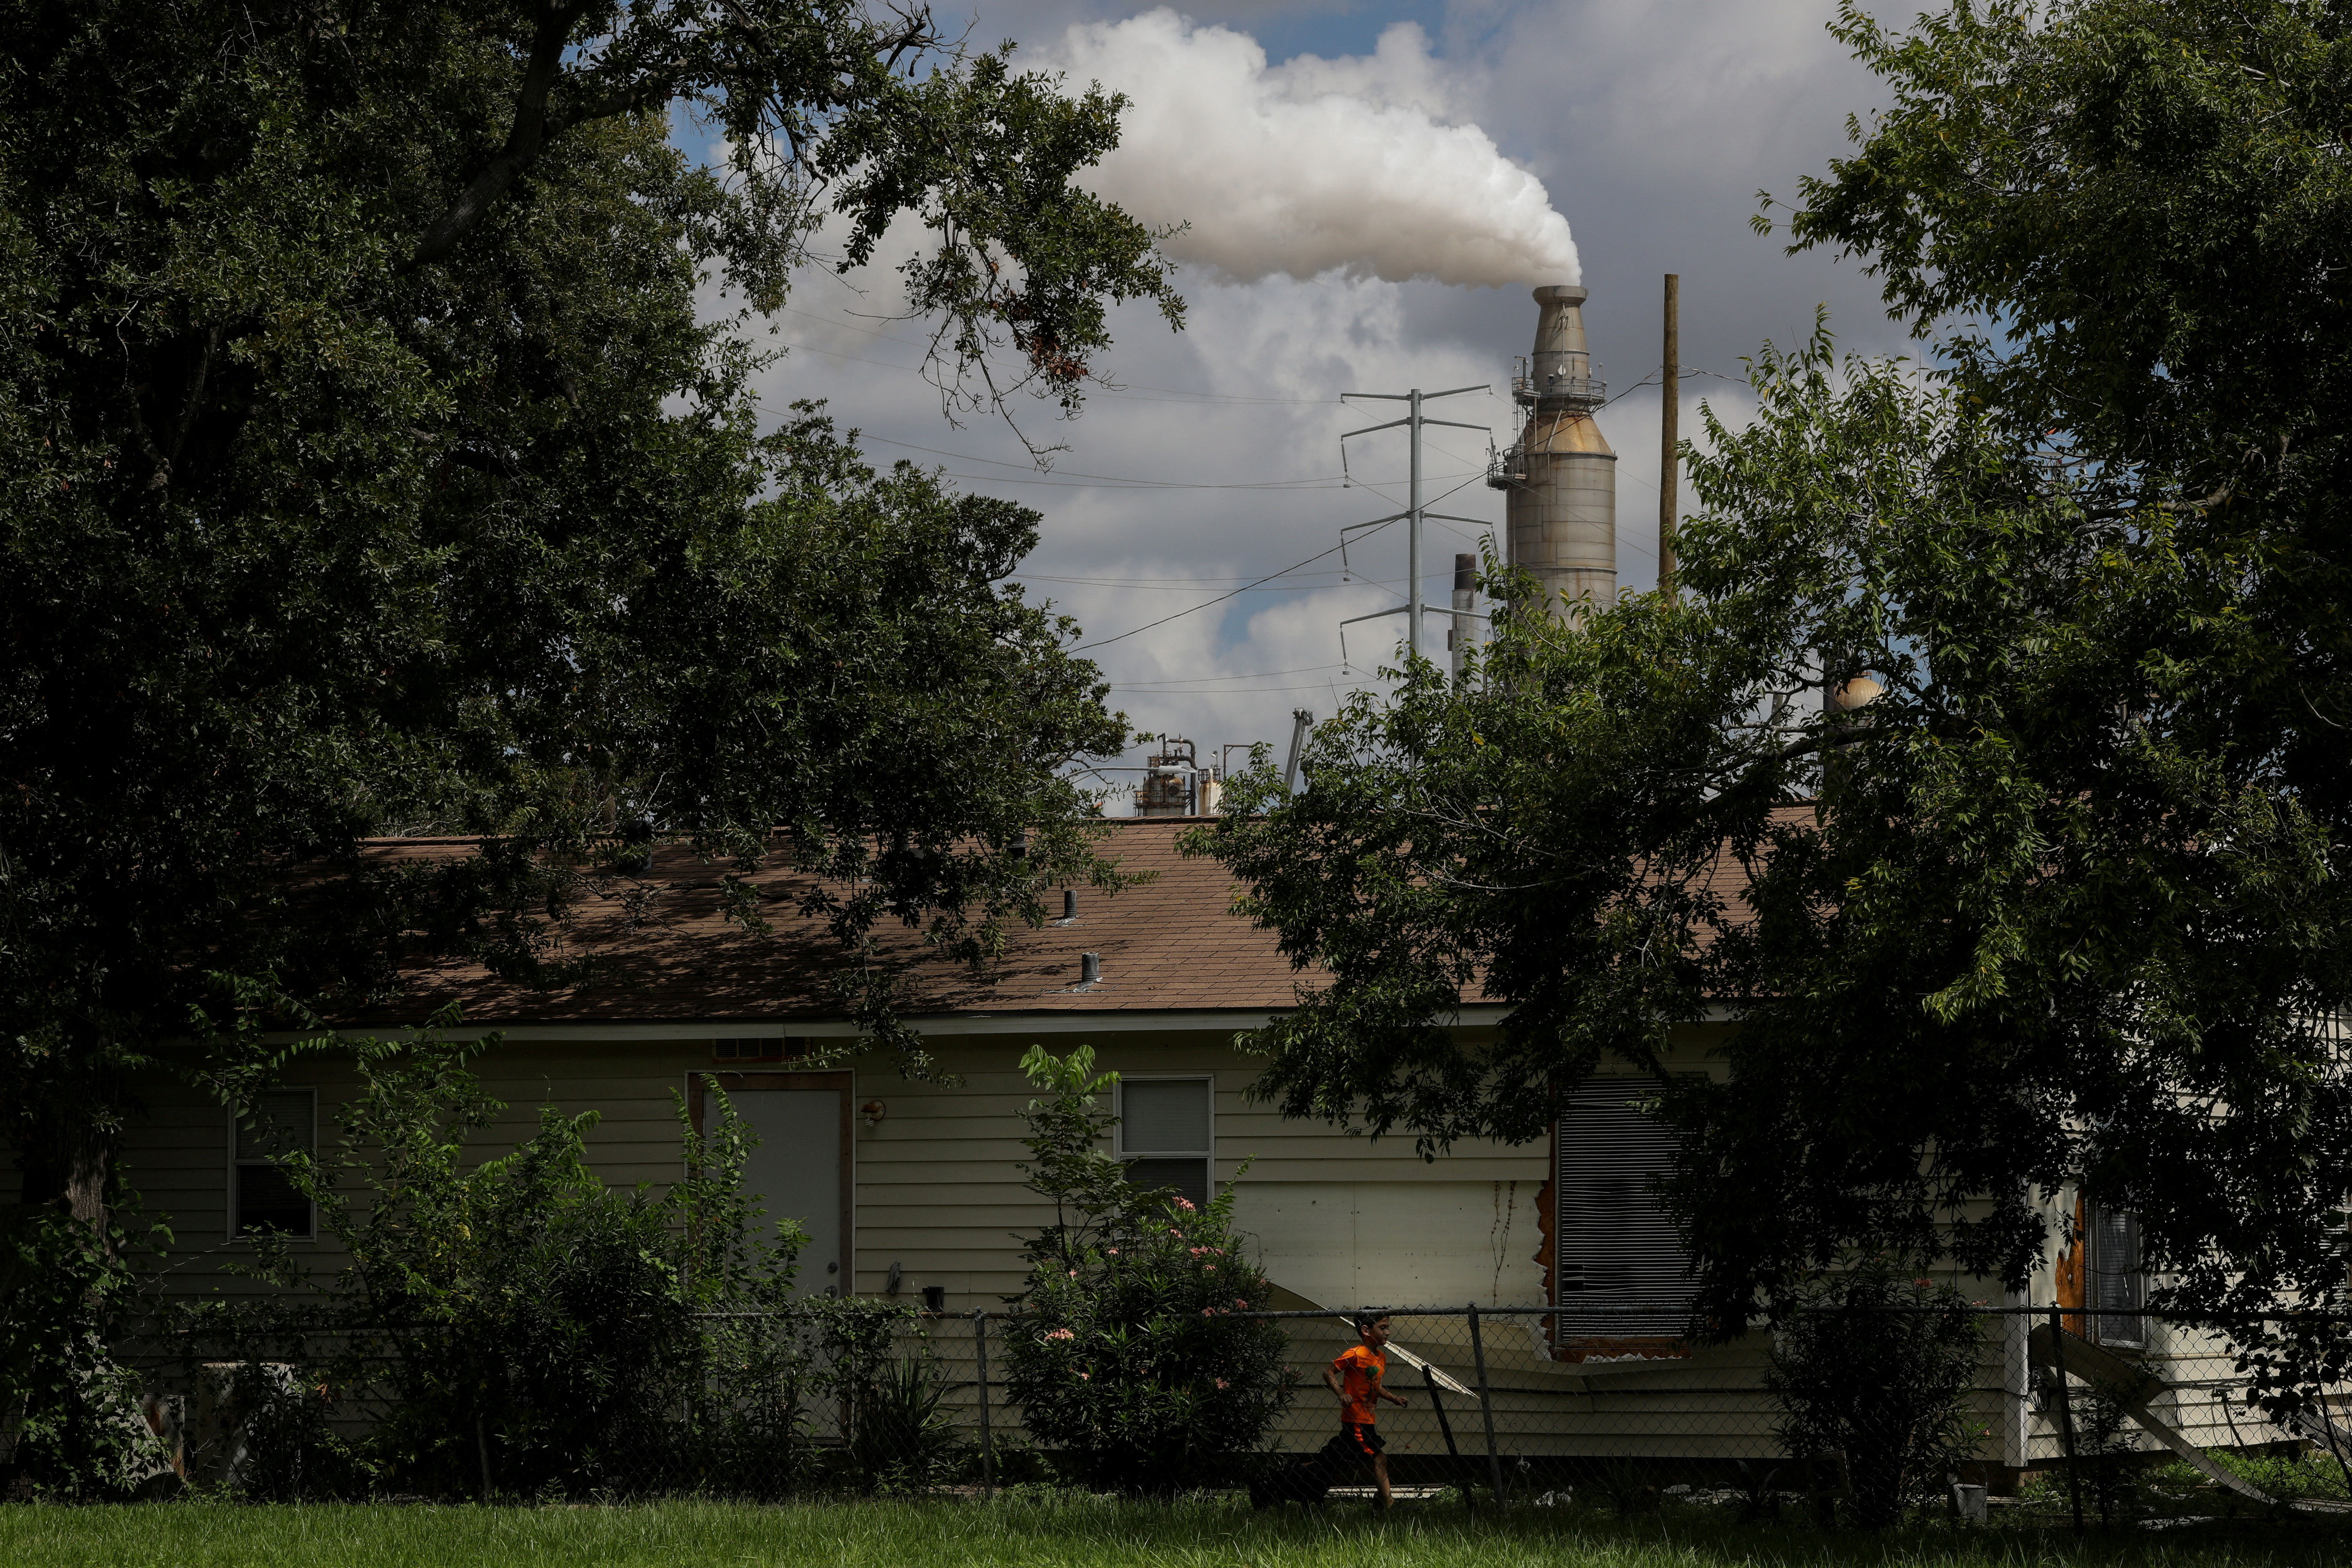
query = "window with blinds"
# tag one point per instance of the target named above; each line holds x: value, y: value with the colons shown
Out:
x: 1616, y: 1254
x: 262, y: 1200
x: 2116, y: 1286
x: 1165, y: 1136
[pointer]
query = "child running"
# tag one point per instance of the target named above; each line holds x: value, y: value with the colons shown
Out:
x: 1355, y: 1376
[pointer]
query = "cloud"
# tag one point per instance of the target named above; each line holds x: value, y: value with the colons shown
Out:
x: 1314, y: 166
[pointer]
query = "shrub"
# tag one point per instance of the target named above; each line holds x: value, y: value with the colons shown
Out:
x: 1876, y: 1365
x: 1129, y: 1361
x: 70, y: 1423
x: 2107, y: 1448
x: 898, y: 1435
x: 519, y: 1327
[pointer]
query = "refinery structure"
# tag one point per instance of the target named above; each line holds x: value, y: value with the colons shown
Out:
x: 1559, y: 479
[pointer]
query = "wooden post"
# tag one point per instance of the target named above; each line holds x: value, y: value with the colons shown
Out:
x: 979, y: 1355
x: 1437, y: 1403
x: 1669, y: 418
x: 1486, y: 1404
x: 2066, y: 1412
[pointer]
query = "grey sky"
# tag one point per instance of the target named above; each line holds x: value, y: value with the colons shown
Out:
x: 1651, y: 126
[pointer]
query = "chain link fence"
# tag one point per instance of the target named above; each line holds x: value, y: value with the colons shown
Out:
x: 2062, y: 1419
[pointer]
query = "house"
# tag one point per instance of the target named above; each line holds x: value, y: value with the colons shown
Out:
x: 912, y: 1188
x: 890, y: 1174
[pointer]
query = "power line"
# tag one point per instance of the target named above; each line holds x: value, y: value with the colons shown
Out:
x: 1062, y: 479
x: 1174, y: 393
x: 1106, y: 642
x: 1150, y: 582
x: 1193, y: 679
x: 1117, y: 479
x: 1252, y: 691
x: 1283, y: 588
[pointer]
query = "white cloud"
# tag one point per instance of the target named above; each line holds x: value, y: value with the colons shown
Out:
x: 1312, y: 167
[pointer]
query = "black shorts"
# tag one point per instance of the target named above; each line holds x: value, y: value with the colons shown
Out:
x: 1363, y: 1436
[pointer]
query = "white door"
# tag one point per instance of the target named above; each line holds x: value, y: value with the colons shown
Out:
x: 796, y: 1170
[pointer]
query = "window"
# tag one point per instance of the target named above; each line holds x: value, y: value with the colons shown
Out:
x: 2117, y: 1284
x: 1615, y: 1249
x: 262, y: 1200
x: 1164, y: 1133
x: 754, y: 1048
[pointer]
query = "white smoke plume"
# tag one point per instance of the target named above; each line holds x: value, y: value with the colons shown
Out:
x: 1311, y: 166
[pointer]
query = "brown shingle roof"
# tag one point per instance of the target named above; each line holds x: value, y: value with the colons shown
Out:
x: 1172, y: 943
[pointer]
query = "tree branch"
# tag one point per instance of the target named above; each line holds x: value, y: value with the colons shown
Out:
x: 525, y: 137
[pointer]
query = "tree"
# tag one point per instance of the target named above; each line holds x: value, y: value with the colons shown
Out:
x: 2064, y: 904
x: 373, y: 470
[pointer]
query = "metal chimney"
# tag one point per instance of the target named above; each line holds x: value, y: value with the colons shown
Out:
x: 1560, y: 478
x: 1466, y: 596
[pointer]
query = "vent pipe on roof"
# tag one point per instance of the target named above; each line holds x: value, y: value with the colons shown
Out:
x: 1089, y: 968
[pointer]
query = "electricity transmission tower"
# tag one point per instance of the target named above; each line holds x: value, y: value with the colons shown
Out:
x: 1413, y: 608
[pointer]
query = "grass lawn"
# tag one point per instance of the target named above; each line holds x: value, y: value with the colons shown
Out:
x: 1063, y: 1533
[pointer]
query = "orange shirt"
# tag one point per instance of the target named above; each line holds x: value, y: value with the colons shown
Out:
x: 1360, y: 1368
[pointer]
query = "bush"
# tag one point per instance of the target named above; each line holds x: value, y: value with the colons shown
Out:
x: 70, y: 1423
x: 520, y: 1329
x: 1130, y: 1361
x: 1887, y: 1389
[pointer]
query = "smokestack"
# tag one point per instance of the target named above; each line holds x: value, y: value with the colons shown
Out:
x: 1561, y: 478
x: 1465, y: 584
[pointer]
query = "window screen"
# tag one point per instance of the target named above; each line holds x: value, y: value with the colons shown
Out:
x: 264, y: 1203
x: 2115, y: 1280
x: 1616, y: 1250
x: 1164, y: 1135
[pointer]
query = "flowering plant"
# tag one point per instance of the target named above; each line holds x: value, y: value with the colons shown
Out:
x: 1130, y: 1360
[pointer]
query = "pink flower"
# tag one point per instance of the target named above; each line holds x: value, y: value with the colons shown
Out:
x: 1113, y: 1251
x: 1073, y: 1274
x: 1223, y: 1383
x: 1186, y: 1205
x: 1060, y: 1334
x: 1208, y: 1312
x: 1241, y: 1304
x: 1927, y: 1282
x: 1208, y: 1269
x: 1086, y: 1378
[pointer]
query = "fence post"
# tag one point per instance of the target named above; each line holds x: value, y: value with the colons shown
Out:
x: 2066, y: 1412
x: 1486, y: 1405
x: 979, y: 1354
x: 1437, y: 1403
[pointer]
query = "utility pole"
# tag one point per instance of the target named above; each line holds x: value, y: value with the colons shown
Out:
x: 1669, y: 467
x: 1413, y: 608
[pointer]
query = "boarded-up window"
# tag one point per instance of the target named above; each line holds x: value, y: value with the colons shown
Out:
x: 262, y: 1200
x: 2116, y: 1283
x: 1165, y: 1133
x: 1617, y: 1258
